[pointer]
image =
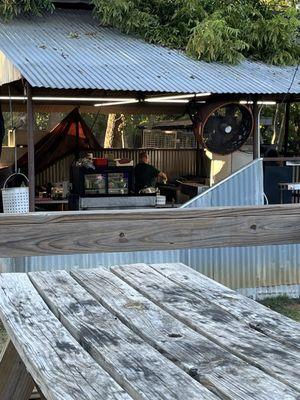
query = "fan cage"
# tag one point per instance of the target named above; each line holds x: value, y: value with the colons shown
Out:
x: 228, y: 146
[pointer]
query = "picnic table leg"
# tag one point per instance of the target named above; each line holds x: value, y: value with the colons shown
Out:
x: 42, y: 397
x: 15, y: 382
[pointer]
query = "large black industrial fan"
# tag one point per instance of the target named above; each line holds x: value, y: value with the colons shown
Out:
x: 222, y: 128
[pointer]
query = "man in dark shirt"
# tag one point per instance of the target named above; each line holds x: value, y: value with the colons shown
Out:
x: 145, y: 175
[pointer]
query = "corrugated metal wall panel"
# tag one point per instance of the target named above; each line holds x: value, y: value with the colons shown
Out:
x: 245, y: 187
x: 177, y: 162
x: 233, y: 267
x: 244, y: 267
x: 271, y: 291
x: 248, y: 267
x: 75, y: 261
x: 60, y: 171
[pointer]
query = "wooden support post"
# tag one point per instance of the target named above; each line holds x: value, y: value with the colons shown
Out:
x: 30, y: 143
x: 15, y: 382
x: 256, y: 131
x: 286, y: 128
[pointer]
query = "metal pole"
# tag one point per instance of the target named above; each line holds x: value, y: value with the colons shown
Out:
x: 30, y: 143
x: 198, y: 153
x: 77, y: 139
x: 286, y: 127
x: 256, y: 131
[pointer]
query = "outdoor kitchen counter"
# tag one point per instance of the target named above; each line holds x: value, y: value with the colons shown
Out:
x: 142, y: 331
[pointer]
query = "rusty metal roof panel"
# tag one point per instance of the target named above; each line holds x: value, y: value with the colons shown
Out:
x: 70, y: 50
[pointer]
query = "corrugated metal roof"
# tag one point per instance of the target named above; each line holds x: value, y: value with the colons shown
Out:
x: 69, y: 50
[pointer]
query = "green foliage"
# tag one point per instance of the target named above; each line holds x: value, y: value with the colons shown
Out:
x: 42, y: 121
x: 213, y: 39
x: 269, y: 132
x: 275, y: 37
x: 12, y: 8
x: 211, y: 30
x: 284, y: 305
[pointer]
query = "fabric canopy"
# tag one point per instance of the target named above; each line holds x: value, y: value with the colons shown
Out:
x: 71, y: 136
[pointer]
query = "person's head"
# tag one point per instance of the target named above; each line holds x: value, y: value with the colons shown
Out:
x: 143, y: 157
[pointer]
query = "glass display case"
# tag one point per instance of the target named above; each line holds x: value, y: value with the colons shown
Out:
x: 95, y: 184
x: 102, y: 181
x: 118, y: 182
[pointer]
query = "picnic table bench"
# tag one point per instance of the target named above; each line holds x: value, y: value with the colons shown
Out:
x: 140, y: 331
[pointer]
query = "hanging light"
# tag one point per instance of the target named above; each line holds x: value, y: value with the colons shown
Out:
x: 176, y: 97
x: 117, y: 103
x: 166, y: 101
x: 71, y: 99
x: 79, y: 99
x: 259, y: 102
x: 13, y: 98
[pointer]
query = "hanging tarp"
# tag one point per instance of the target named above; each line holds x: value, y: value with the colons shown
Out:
x: 71, y: 136
x: 2, y: 129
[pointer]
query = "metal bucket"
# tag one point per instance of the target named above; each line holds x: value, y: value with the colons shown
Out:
x: 15, y: 199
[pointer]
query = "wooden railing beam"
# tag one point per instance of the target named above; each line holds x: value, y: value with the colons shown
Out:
x: 165, y: 229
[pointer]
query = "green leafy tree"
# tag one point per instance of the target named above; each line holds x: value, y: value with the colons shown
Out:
x: 12, y: 8
x: 211, y: 30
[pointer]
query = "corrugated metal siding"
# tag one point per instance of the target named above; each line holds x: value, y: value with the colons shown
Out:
x: 254, y: 268
x: 60, y: 171
x: 271, y: 291
x: 69, y: 50
x: 244, y: 187
x: 75, y: 261
x: 248, y: 267
x: 177, y: 162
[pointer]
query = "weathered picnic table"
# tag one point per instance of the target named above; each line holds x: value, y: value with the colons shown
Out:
x: 141, y: 331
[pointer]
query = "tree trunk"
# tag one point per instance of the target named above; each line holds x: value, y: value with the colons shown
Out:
x: 274, y: 136
x: 114, y: 135
x: 281, y: 129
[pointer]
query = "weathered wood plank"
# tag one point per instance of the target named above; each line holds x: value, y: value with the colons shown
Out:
x: 110, y: 231
x: 15, y: 382
x: 215, y: 323
x: 133, y: 363
x: 226, y: 375
x: 56, y: 362
x: 256, y: 315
